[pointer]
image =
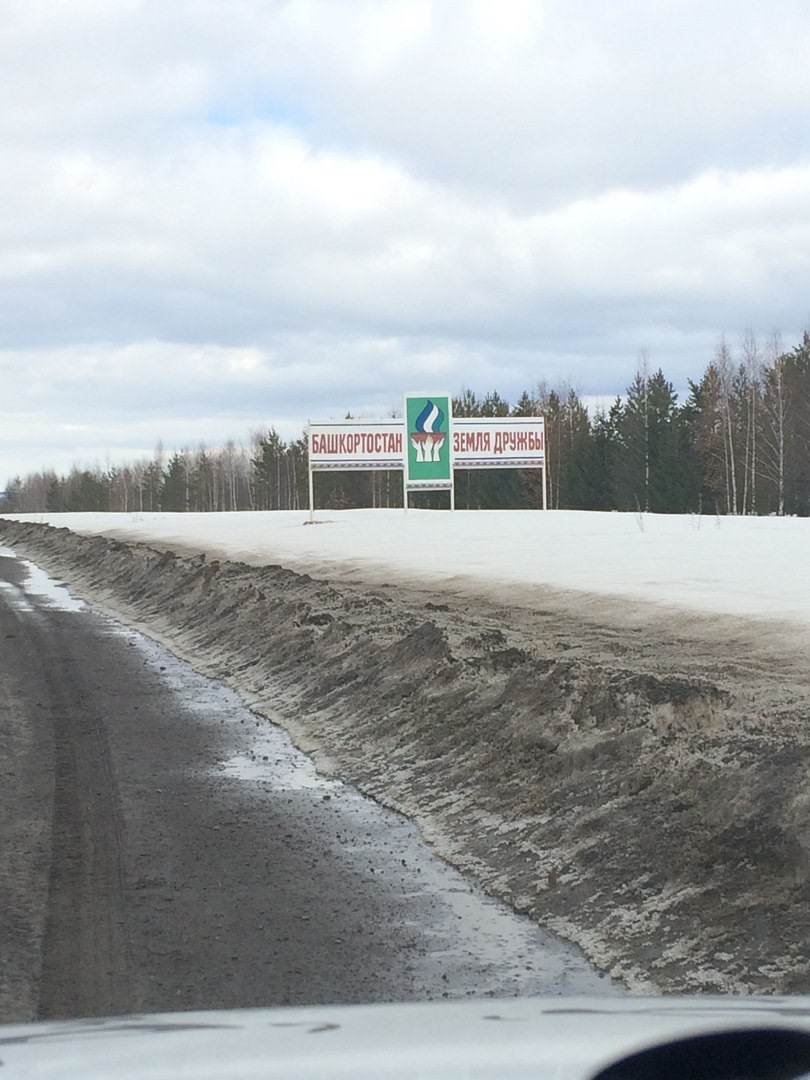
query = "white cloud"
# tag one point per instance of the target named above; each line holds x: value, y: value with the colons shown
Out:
x: 253, y: 210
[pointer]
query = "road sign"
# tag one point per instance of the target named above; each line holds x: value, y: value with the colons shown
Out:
x: 428, y: 442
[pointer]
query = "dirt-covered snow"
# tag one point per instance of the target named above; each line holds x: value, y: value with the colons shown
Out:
x: 633, y: 774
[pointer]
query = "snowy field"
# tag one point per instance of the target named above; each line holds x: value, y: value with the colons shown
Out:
x: 739, y: 566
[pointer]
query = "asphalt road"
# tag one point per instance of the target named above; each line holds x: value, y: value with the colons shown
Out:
x: 162, y: 848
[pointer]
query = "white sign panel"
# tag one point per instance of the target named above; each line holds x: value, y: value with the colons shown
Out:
x: 356, y: 444
x: 508, y: 442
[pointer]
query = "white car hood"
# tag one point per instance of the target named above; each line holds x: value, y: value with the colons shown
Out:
x: 554, y: 1038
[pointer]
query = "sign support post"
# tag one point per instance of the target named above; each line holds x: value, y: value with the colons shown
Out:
x: 311, y: 480
x: 545, y: 476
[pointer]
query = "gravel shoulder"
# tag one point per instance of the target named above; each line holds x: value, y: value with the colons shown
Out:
x: 633, y: 778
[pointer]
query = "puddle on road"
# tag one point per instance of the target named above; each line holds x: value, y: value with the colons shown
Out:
x: 39, y: 585
x: 16, y: 596
x: 275, y: 762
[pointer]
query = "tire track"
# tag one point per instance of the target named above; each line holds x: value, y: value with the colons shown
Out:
x: 85, y: 949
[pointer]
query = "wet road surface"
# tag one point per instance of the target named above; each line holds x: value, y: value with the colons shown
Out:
x: 164, y: 848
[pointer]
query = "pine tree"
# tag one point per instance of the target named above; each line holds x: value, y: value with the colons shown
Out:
x: 631, y: 481
x: 799, y: 389
x: 776, y: 424
x: 666, y: 481
x: 175, y: 492
x: 603, y: 449
x: 703, y: 418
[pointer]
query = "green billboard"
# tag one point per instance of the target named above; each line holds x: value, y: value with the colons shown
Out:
x: 428, y: 444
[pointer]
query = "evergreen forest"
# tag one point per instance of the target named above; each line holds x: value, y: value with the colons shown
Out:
x: 738, y: 444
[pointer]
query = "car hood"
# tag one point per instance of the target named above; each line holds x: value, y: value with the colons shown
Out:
x: 559, y: 1038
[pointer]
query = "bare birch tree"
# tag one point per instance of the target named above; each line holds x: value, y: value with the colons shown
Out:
x: 775, y: 408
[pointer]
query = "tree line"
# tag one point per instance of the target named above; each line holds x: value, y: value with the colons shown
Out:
x: 738, y: 444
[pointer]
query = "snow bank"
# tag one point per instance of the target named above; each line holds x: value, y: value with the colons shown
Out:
x: 634, y: 777
x: 739, y: 566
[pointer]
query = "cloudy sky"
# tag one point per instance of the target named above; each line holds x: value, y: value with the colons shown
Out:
x: 219, y: 215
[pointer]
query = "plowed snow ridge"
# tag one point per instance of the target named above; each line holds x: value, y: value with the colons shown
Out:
x: 634, y: 777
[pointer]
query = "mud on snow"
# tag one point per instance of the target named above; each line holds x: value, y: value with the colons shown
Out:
x: 633, y: 778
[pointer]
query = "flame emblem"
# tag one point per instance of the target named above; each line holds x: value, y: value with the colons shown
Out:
x: 426, y: 440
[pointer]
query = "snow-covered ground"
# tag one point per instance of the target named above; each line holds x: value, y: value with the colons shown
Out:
x: 739, y: 566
